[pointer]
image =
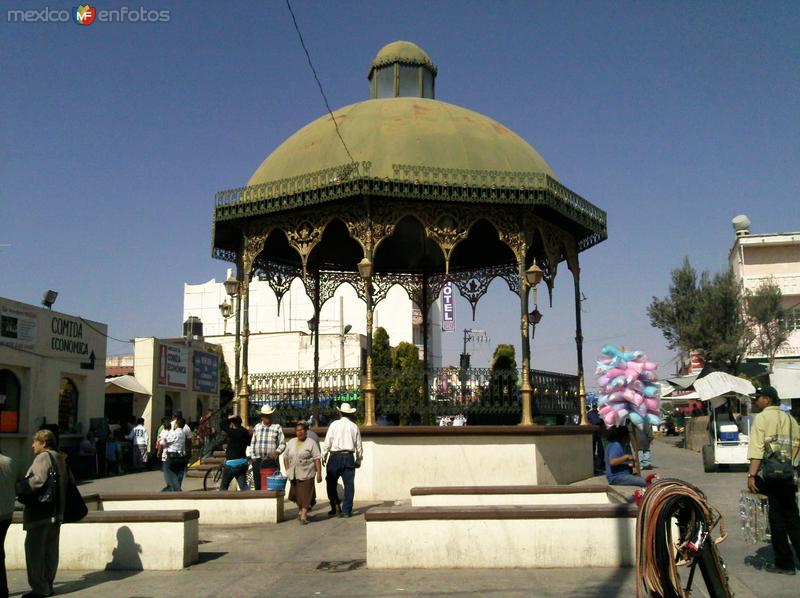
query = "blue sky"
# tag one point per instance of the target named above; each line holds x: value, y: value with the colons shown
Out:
x: 672, y: 116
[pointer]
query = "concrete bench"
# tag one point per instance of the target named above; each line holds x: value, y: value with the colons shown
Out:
x: 216, y: 508
x: 127, y: 540
x: 501, y: 536
x: 450, y: 496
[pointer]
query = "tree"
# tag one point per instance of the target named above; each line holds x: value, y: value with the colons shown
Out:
x: 503, y: 381
x: 704, y: 314
x: 767, y: 318
x: 381, y: 366
x: 407, y: 382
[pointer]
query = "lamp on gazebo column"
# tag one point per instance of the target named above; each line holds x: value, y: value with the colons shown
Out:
x: 233, y: 290
x: 365, y: 270
x: 533, y: 276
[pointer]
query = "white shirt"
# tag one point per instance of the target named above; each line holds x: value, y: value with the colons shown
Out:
x: 175, y: 442
x: 139, y: 436
x: 343, y: 435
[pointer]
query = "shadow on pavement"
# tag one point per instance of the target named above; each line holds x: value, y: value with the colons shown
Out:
x: 92, y: 579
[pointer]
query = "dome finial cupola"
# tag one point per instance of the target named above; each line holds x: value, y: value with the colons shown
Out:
x: 401, y: 70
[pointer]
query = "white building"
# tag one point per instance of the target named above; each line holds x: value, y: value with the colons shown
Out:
x: 282, y: 342
x: 759, y: 258
x: 164, y: 376
x: 51, y: 374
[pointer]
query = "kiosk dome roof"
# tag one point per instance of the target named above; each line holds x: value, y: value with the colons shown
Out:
x: 409, y: 131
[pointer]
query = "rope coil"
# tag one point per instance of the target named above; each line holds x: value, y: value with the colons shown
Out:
x: 658, y: 556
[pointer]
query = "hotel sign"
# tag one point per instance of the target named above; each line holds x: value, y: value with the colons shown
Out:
x: 448, y: 308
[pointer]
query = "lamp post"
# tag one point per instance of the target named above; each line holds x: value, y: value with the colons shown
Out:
x: 365, y: 270
x: 233, y: 290
x: 313, y: 326
x: 533, y: 276
x: 342, y: 335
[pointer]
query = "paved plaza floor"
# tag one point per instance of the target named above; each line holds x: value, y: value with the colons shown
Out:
x: 327, y: 557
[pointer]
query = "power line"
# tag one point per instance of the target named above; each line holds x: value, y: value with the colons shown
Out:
x: 103, y: 333
x: 319, y: 84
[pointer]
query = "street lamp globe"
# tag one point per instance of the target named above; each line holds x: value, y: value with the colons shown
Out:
x: 225, y: 309
x: 534, y: 274
x: 365, y: 268
x: 231, y: 286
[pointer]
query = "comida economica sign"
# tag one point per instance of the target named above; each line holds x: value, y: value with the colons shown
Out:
x: 173, y: 366
x: 50, y: 334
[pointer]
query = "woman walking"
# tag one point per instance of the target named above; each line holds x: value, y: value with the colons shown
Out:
x: 302, y: 462
x: 43, y: 492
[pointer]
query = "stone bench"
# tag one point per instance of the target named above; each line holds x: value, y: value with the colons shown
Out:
x: 126, y: 540
x: 449, y: 496
x: 216, y: 508
x: 501, y: 536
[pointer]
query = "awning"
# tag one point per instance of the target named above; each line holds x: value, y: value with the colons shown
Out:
x: 786, y: 380
x: 717, y: 384
x: 683, y: 381
x: 127, y: 383
x: 682, y: 397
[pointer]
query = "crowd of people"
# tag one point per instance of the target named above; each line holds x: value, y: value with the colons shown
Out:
x: 303, y: 458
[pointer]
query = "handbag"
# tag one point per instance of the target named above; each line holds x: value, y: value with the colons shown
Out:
x: 777, y: 466
x: 75, y: 507
x: 46, y: 494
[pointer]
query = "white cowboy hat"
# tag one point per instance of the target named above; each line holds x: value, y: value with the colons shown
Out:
x: 267, y: 410
x: 346, y: 408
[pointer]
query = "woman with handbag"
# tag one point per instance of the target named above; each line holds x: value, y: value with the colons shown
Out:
x: 302, y: 462
x: 43, y: 492
x: 177, y: 457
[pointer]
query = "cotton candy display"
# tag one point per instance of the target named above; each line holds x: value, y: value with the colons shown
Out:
x: 627, y: 388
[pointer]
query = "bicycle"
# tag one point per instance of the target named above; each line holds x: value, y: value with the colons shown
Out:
x: 213, y: 477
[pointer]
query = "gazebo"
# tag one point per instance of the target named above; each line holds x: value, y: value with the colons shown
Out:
x: 403, y: 189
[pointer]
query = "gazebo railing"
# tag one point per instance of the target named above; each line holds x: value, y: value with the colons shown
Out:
x: 484, y: 396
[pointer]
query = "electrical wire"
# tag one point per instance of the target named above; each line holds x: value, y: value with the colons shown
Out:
x: 319, y: 84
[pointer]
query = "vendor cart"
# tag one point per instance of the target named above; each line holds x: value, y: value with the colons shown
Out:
x: 728, y: 440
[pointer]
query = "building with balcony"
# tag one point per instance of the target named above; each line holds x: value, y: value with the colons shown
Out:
x: 757, y: 258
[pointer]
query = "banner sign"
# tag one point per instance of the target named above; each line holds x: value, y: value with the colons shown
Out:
x: 17, y: 327
x: 173, y: 366
x: 205, y: 372
x: 448, y: 308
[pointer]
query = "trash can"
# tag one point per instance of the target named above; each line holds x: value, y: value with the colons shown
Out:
x: 265, y: 473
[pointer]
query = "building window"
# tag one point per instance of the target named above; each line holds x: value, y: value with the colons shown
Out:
x: 67, y: 405
x: 9, y: 401
x: 792, y: 321
x: 168, y: 407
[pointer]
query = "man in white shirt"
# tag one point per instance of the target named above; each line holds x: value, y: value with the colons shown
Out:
x: 138, y: 436
x: 343, y: 452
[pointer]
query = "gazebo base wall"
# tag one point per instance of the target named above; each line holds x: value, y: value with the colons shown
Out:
x: 397, y: 459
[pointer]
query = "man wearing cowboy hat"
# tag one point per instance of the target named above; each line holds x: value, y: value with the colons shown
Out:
x: 266, y: 445
x: 343, y: 453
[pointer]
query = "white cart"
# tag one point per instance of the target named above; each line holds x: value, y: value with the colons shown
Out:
x: 727, y: 443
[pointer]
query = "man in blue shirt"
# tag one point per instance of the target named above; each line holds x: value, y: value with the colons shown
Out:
x: 619, y: 459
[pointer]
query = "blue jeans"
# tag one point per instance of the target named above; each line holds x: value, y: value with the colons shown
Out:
x: 239, y: 472
x: 625, y: 479
x: 257, y: 465
x: 341, y: 465
x: 645, y: 460
x: 173, y: 476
